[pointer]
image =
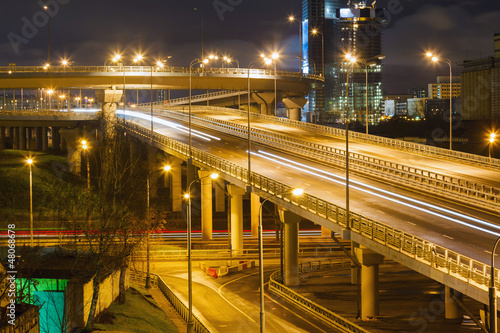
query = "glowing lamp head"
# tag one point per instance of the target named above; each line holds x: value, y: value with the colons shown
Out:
x: 429, y: 55
x: 268, y: 61
x: 435, y: 59
x: 50, y: 91
x: 167, y: 168
x: 315, y: 31
x: 205, y: 61
x: 160, y: 64
x: 45, y: 7
x: 186, y: 196
x: 84, y: 142
x: 348, y: 56
x: 353, y: 59
x: 211, y: 57
x: 492, y: 137
x: 275, y: 55
x: 64, y: 62
x: 214, y: 175
x: 298, y: 191
x: 291, y: 18
x: 29, y: 161
x: 85, y: 147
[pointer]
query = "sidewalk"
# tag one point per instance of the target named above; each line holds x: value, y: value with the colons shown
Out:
x: 409, y: 302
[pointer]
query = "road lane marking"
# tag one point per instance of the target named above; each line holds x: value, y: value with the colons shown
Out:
x: 448, y: 236
x: 410, y: 223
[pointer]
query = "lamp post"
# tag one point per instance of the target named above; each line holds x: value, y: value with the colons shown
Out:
x: 50, y: 92
x: 190, y: 323
x: 367, y: 63
x: 493, y: 291
x: 292, y: 18
x: 46, y: 8
x: 194, y: 62
x: 166, y: 168
x: 297, y: 192
x: 30, y: 162
x: 316, y: 32
x: 448, y: 61
x: 85, y: 148
x: 272, y: 59
x: 491, y: 140
x: 352, y: 60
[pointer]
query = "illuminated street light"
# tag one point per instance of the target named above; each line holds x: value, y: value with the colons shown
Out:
x: 491, y: 140
x: 316, y: 32
x: 190, y: 323
x: 448, y: 61
x: 45, y: 8
x: 272, y: 60
x: 30, y: 162
x: 367, y: 63
x: 296, y: 192
x: 292, y: 19
x: 165, y: 168
x: 85, y: 148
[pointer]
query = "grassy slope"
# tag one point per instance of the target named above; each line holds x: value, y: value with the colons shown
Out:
x: 139, y: 314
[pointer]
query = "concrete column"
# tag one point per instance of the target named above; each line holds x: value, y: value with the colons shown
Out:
x: 291, y: 239
x: 22, y: 138
x: 220, y: 197
x: 29, y: 140
x: 266, y: 101
x: 190, y: 174
x: 56, y: 139
x: 254, y: 214
x: 108, y: 99
x: 451, y: 308
x: 74, y: 149
x: 64, y: 144
x: 354, y: 269
x: 294, y: 107
x: 176, y: 188
x: 15, y: 137
x: 2, y: 138
x: 325, y: 232
x: 370, y: 261
x: 39, y: 144
x: 236, y: 194
x: 45, y: 139
x: 206, y: 205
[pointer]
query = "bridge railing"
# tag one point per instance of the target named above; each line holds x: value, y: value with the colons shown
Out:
x: 480, y: 195
x: 12, y: 70
x: 427, y: 253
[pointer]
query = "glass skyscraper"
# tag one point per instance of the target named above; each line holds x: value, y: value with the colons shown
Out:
x: 347, y: 27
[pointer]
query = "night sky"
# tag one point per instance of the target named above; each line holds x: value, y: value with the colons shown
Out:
x: 89, y: 32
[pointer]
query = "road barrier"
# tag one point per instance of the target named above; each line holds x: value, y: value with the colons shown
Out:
x: 312, y: 308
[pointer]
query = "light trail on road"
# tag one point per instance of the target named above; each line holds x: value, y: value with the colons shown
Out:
x: 341, y: 180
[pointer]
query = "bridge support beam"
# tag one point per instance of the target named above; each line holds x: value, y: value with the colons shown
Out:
x: 236, y: 193
x: 451, y: 308
x: 56, y: 139
x: 220, y: 196
x: 176, y: 188
x: 108, y: 99
x: 206, y: 205
x: 291, y: 256
x: 254, y: 214
x: 2, y: 138
x: 266, y: 101
x: 370, y: 262
x: 325, y: 232
x: 15, y: 137
x: 39, y: 131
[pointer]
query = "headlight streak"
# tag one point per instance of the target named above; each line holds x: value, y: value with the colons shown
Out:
x: 304, y: 168
x: 167, y: 123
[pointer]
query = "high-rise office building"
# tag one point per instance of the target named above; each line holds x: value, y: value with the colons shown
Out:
x: 346, y: 27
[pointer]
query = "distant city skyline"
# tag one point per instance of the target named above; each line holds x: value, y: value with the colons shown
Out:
x: 89, y: 32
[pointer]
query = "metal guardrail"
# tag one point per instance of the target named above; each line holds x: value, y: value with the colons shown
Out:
x: 480, y: 195
x: 312, y: 308
x: 427, y: 253
x: 185, y: 100
x: 372, y: 139
x: 11, y: 70
x: 178, y: 305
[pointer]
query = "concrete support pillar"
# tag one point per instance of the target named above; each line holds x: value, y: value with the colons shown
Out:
x: 206, y: 205
x: 266, y: 101
x: 2, y: 138
x: 369, y: 261
x: 236, y: 194
x: 15, y: 138
x: 39, y: 144
x: 291, y: 239
x: 254, y: 214
x: 29, y: 138
x: 220, y: 197
x: 451, y: 308
x: 22, y: 138
x: 325, y: 232
x: 74, y: 149
x: 294, y: 107
x: 56, y: 139
x: 190, y: 174
x: 64, y: 144
x: 45, y: 139
x: 354, y: 269
x: 176, y: 188
x: 108, y: 99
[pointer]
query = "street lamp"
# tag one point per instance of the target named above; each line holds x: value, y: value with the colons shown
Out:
x: 85, y: 148
x: 190, y: 323
x: 491, y: 140
x: 272, y: 60
x: 292, y: 18
x: 194, y: 62
x: 316, y: 32
x: 30, y: 162
x: 367, y: 63
x: 166, y: 168
x: 296, y: 192
x: 50, y: 92
x: 448, y: 61
x: 352, y: 59
x: 493, y: 292
x: 46, y: 8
